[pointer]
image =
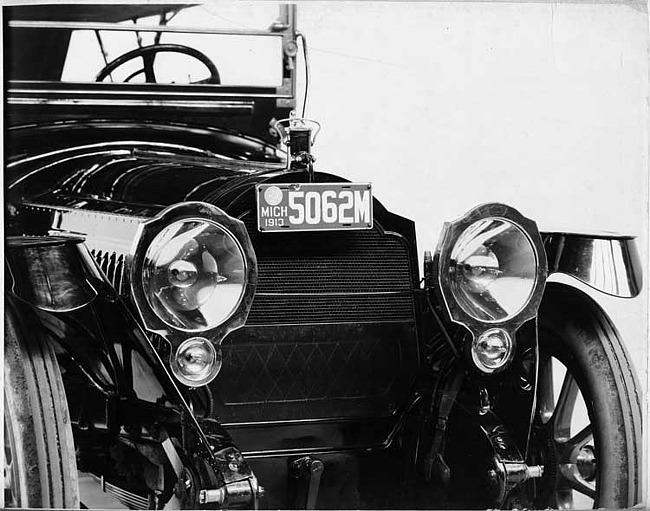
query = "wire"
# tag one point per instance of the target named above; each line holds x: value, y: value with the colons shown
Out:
x: 303, y: 39
x: 103, y: 50
x: 443, y: 329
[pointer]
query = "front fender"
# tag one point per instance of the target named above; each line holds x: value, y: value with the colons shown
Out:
x: 607, y: 263
x: 54, y: 282
x: 52, y: 273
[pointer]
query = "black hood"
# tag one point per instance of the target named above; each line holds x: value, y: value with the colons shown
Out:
x: 141, y: 178
x: 137, y: 165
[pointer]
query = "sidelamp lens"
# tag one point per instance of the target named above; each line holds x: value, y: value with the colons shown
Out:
x: 492, y: 350
x: 196, y: 362
x: 493, y: 270
x: 194, y: 274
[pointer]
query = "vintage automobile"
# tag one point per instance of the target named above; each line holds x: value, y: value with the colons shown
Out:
x: 197, y: 317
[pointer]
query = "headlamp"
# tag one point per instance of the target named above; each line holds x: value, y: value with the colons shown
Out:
x: 193, y: 271
x: 490, y: 272
x: 194, y: 274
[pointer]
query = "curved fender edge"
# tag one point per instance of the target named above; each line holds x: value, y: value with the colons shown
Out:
x: 50, y: 272
x: 607, y: 263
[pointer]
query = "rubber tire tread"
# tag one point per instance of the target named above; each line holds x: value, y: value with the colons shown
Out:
x: 36, y: 405
x: 595, y: 351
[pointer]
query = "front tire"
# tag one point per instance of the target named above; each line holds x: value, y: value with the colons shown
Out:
x: 40, y: 466
x: 597, y: 463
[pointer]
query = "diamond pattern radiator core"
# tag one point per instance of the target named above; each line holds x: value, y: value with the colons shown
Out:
x: 293, y: 371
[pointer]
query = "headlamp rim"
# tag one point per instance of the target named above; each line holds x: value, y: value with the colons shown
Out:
x: 450, y: 235
x: 149, y: 229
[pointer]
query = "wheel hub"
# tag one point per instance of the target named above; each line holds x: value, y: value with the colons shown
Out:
x: 586, y: 463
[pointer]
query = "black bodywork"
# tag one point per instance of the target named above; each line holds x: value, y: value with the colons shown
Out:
x: 329, y: 358
x: 342, y: 378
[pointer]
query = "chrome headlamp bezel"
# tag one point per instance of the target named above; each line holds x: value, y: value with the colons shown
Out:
x: 442, y: 263
x: 147, y: 232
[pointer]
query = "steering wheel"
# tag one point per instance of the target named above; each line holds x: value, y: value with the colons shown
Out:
x: 148, y: 53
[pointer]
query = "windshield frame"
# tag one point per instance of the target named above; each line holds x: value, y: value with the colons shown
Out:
x: 230, y: 98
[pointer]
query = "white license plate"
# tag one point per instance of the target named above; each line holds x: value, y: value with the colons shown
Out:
x: 314, y: 206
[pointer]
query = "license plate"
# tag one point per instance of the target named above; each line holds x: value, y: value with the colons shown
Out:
x: 314, y: 206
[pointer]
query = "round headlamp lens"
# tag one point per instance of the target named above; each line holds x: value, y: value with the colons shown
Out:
x: 196, y: 362
x: 493, y: 269
x: 491, y: 350
x: 194, y: 274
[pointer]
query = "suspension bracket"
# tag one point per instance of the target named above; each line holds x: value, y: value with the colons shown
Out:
x: 509, y: 468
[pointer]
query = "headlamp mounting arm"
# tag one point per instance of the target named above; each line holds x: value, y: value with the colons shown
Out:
x: 233, y: 230
x: 490, y: 269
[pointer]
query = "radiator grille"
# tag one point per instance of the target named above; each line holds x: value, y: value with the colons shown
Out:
x: 322, y: 277
x: 359, y: 262
x: 279, y: 309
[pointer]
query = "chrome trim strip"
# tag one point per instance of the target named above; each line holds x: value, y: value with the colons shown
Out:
x: 213, y: 106
x: 85, y: 212
x: 117, y: 230
x: 298, y: 422
x: 281, y: 453
x: 335, y: 323
x: 80, y: 25
x: 104, y: 89
x: 374, y: 293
